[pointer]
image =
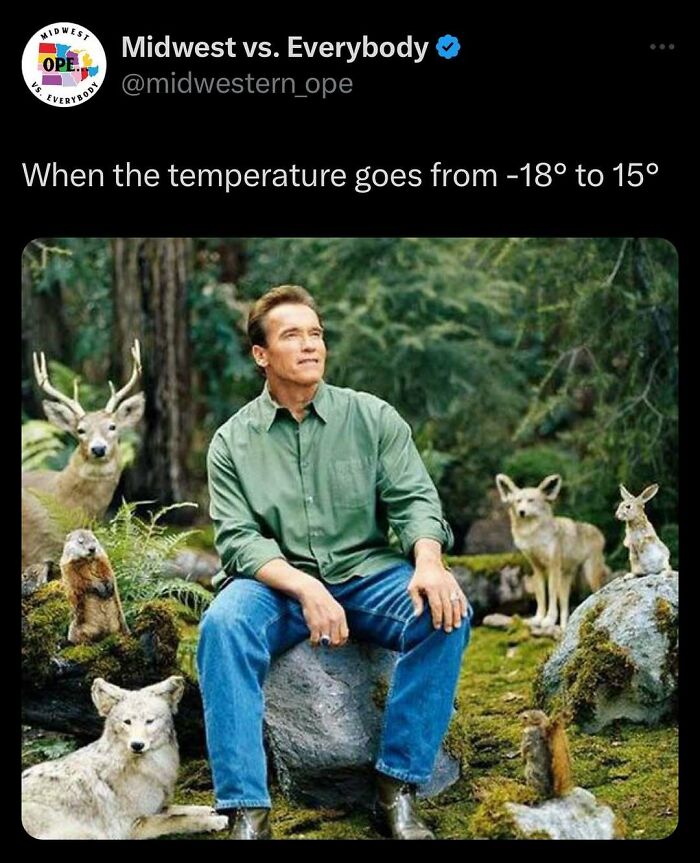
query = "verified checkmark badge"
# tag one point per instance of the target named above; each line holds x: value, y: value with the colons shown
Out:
x: 448, y: 46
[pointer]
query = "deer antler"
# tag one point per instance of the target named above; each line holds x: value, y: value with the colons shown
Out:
x: 42, y: 378
x: 116, y: 397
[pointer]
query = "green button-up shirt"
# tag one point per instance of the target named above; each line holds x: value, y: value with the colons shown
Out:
x: 320, y: 493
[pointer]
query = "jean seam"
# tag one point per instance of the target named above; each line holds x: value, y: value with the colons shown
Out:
x: 241, y: 803
x: 381, y: 614
x: 390, y: 692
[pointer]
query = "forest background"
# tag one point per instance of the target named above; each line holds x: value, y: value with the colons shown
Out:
x: 524, y: 356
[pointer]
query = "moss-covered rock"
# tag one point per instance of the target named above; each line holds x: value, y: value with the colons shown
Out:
x: 45, y: 620
x: 667, y: 623
x: 489, y: 564
x: 599, y: 668
x: 492, y: 819
x: 493, y: 582
x: 618, y: 656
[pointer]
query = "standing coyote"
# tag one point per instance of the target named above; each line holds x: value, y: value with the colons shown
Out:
x: 556, y: 547
x: 119, y: 786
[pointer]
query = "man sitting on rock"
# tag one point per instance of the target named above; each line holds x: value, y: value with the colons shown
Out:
x: 304, y: 481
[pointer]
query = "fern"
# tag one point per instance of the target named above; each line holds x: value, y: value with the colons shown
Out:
x: 41, y: 443
x: 138, y: 550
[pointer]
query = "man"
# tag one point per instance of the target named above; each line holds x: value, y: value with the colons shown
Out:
x: 304, y: 481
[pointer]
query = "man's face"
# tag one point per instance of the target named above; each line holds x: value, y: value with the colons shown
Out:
x: 295, y: 351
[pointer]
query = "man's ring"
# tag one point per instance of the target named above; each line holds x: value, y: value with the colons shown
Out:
x: 455, y: 597
x: 325, y: 640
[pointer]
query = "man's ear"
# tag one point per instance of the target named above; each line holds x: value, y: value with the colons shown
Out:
x: 506, y: 487
x: 260, y: 355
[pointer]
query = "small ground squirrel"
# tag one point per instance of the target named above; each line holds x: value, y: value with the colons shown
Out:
x: 91, y: 588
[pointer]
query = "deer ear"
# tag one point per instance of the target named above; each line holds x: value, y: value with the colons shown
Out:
x: 648, y: 492
x: 550, y: 486
x: 106, y: 695
x: 61, y: 416
x: 130, y: 411
x: 506, y: 487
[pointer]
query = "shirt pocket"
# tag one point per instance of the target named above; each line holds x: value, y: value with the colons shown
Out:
x: 352, y: 483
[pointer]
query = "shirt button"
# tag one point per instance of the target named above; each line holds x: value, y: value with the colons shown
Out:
x: 309, y: 499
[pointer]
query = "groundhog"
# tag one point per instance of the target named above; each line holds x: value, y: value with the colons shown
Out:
x: 91, y: 589
x: 545, y: 750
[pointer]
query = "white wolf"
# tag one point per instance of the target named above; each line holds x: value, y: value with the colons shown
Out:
x: 119, y: 786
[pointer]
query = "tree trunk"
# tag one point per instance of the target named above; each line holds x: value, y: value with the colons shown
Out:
x: 150, y: 303
x: 43, y: 327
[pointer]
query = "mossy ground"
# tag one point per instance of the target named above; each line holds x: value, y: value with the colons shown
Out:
x: 632, y: 768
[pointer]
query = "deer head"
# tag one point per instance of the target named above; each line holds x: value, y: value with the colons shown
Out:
x: 97, y: 432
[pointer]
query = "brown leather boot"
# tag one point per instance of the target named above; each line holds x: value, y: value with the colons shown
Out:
x: 248, y: 823
x: 395, y: 808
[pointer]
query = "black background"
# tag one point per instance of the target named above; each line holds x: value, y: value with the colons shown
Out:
x: 591, y: 93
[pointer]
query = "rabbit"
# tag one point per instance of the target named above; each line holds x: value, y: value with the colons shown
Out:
x: 647, y: 553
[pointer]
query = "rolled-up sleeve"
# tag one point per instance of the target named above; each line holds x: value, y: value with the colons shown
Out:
x: 242, y: 547
x: 405, y: 487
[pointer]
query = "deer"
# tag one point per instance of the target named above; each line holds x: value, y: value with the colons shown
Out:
x: 88, y: 482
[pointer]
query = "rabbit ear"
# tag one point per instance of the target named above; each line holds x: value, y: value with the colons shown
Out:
x: 506, y: 487
x: 625, y: 494
x: 648, y: 492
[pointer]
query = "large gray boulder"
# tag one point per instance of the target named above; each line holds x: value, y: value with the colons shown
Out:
x: 323, y: 720
x: 618, y: 658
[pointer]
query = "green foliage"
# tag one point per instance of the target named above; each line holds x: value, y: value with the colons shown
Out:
x: 42, y: 445
x: 529, y: 466
x: 138, y: 551
x: 38, y: 746
x: 226, y: 376
x: 529, y: 355
x: 606, y: 385
x: 82, y: 267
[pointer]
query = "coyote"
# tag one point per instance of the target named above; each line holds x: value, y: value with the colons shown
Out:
x: 119, y: 786
x: 556, y: 547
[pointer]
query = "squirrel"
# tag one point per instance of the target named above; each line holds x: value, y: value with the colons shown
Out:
x: 91, y: 588
x: 545, y: 750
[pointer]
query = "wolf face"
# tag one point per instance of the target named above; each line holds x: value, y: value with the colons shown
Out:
x: 531, y: 502
x: 139, y: 721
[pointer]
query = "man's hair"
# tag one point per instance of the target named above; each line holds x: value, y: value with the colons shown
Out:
x: 268, y: 301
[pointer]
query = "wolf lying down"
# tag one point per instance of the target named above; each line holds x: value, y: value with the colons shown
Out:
x: 119, y: 786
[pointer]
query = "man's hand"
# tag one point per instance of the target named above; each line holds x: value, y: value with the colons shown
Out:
x: 323, y: 615
x: 448, y: 604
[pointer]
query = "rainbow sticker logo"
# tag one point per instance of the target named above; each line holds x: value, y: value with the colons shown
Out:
x: 64, y: 64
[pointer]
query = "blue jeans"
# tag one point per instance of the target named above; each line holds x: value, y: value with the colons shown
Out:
x: 249, y: 623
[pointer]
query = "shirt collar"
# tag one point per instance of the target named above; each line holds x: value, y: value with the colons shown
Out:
x: 269, y: 407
